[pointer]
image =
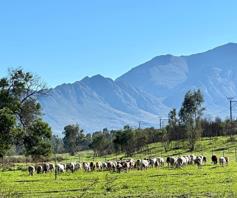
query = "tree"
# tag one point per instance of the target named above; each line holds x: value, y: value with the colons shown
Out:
x: 18, y: 93
x: 172, y: 133
x: 125, y: 141
x: 190, y: 116
x: 102, y: 143
x: 165, y: 139
x: 71, y: 137
x: 7, y: 122
x: 57, y: 144
x: 37, y: 140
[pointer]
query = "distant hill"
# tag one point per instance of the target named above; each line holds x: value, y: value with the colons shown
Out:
x: 145, y: 92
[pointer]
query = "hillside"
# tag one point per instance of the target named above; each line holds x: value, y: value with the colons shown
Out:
x: 146, y: 92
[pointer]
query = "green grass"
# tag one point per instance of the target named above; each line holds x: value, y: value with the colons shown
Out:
x: 190, y: 181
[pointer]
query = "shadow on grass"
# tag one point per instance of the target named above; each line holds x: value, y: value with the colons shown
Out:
x: 29, y: 181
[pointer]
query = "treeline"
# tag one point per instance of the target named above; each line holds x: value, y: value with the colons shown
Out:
x: 126, y: 140
x: 187, y: 124
x: 130, y: 140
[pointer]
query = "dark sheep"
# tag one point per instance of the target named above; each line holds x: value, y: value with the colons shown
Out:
x: 214, y: 159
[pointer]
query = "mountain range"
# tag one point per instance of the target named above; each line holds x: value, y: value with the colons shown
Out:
x: 145, y: 93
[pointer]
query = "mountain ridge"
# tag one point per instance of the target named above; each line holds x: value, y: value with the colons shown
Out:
x: 145, y: 92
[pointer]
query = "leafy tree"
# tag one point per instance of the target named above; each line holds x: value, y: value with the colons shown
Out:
x: 71, y: 137
x: 102, y: 143
x: 18, y: 93
x: 190, y: 116
x: 172, y: 133
x: 7, y: 122
x: 125, y: 141
x: 165, y: 139
x: 57, y: 144
x: 37, y: 140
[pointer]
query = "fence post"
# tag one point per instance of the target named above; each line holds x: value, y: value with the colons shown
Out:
x: 55, y: 167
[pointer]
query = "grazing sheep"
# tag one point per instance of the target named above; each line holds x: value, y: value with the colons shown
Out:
x: 86, y: 166
x: 126, y: 165
x: 140, y: 164
x: 31, y: 170
x: 111, y: 165
x: 104, y: 166
x: 98, y: 165
x: 198, y: 161
x: 92, y: 166
x: 70, y: 167
x: 227, y: 160
x: 119, y: 167
x: 46, y: 167
x: 172, y: 161
x: 78, y: 166
x: 214, y: 159
x: 132, y: 163
x: 144, y: 164
x: 51, y: 167
x: 222, y: 161
x: 161, y: 160
x: 152, y: 162
x: 60, y: 168
x: 192, y: 159
x: 39, y: 169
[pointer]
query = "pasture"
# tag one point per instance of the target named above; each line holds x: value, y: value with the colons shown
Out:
x: 189, y: 181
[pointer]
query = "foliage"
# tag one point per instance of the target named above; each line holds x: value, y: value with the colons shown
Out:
x: 190, y: 116
x: 71, y: 138
x: 7, y: 122
x: 19, y: 105
x: 37, y: 139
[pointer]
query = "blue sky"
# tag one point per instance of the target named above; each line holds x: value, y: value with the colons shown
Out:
x: 63, y: 41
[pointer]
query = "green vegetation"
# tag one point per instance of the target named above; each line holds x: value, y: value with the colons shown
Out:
x: 189, y: 181
x: 20, y: 112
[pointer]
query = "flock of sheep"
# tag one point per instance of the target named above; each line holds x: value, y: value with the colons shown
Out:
x: 125, y: 165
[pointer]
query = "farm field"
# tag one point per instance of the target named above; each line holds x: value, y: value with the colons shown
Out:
x: 190, y: 181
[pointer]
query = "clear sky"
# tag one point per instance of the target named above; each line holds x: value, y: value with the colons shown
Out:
x: 65, y: 40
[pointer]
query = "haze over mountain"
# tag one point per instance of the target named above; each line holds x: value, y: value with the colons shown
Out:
x: 145, y: 92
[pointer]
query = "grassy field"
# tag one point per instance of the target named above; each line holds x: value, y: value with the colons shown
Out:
x: 189, y: 181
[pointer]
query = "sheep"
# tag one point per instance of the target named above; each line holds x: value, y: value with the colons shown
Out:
x: 222, y: 161
x: 104, y: 166
x: 98, y: 165
x: 46, y: 167
x: 227, y: 160
x: 70, y: 167
x: 152, y: 162
x: 39, y: 169
x: 60, y: 168
x: 119, y: 167
x: 78, y: 166
x: 198, y: 161
x: 31, y: 170
x: 86, y: 166
x: 214, y: 159
x: 51, y: 167
x: 161, y: 160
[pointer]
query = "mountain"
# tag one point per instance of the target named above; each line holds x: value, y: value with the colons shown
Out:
x: 145, y: 92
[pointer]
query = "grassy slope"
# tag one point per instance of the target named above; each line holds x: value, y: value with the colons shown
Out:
x: 209, y: 181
